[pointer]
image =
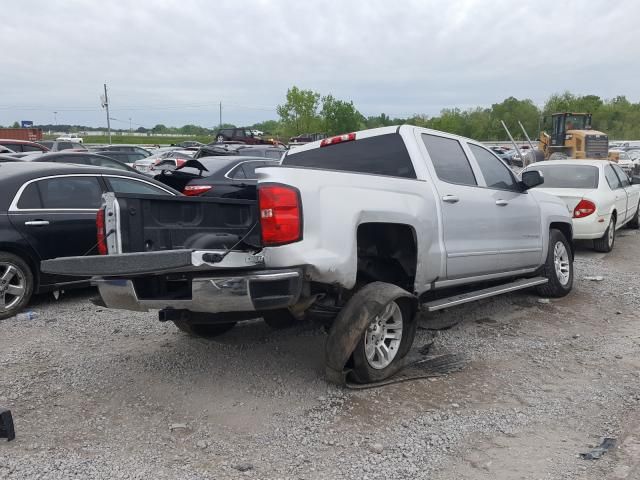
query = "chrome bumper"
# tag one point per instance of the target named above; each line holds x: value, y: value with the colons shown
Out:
x: 265, y: 290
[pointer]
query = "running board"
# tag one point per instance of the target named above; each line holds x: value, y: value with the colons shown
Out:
x: 485, y: 293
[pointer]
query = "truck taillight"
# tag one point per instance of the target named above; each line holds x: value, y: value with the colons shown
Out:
x: 347, y: 137
x: 101, y: 235
x: 280, y: 214
x: 584, y: 209
x: 195, y: 190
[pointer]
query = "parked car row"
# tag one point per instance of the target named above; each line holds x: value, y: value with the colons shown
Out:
x: 594, y: 193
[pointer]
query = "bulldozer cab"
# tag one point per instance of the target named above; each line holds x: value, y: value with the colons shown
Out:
x: 563, y: 122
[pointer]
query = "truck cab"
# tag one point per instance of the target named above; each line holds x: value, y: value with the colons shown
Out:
x: 570, y: 136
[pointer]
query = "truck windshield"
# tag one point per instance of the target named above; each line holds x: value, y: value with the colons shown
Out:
x: 379, y: 155
x: 568, y: 176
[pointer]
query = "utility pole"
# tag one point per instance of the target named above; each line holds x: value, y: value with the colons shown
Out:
x: 220, y: 124
x: 129, y: 124
x: 105, y: 104
x: 55, y: 118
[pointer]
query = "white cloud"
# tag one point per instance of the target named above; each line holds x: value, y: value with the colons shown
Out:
x: 399, y: 57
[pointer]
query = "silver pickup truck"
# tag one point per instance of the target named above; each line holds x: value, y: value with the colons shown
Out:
x: 362, y: 230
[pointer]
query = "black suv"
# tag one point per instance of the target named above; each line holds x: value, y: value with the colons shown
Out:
x: 243, y: 135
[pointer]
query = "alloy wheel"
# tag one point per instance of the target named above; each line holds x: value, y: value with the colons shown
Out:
x: 561, y: 263
x: 383, y: 337
x: 13, y: 286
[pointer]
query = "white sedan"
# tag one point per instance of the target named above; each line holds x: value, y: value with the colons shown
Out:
x: 599, y: 193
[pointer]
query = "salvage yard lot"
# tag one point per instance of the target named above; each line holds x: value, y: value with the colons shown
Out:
x: 99, y: 393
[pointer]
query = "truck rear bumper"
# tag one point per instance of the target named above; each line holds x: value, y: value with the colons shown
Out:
x: 255, y: 291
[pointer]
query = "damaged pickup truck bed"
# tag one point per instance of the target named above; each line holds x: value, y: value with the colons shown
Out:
x: 361, y: 230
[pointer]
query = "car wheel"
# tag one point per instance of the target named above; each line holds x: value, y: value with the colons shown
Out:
x: 220, y: 138
x: 635, y: 221
x: 279, y: 319
x: 204, y: 330
x: 385, y: 341
x: 605, y: 244
x: 16, y: 284
x: 558, y: 268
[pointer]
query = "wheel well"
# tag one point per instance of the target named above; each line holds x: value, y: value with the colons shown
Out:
x: 567, y: 231
x: 614, y: 214
x: 387, y: 252
x: 33, y: 264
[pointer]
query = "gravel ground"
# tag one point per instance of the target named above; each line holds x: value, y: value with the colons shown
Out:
x: 99, y: 393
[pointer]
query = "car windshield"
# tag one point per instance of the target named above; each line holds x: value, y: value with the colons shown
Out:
x: 568, y: 176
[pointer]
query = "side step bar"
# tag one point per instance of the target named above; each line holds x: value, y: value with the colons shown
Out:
x: 485, y: 293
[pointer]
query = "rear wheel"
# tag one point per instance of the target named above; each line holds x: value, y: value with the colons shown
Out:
x: 605, y: 244
x: 16, y: 284
x: 385, y: 342
x: 558, y: 268
x: 203, y: 330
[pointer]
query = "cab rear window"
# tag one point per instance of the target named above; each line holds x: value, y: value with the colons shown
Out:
x: 379, y: 155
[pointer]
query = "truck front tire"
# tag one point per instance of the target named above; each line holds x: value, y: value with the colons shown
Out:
x: 558, y: 268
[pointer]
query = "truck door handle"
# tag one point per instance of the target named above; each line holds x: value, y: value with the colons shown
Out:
x: 37, y: 223
x: 502, y: 203
x: 450, y: 199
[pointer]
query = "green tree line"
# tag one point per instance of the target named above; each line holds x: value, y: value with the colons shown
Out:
x: 306, y: 111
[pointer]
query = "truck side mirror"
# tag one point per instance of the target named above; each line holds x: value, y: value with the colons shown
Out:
x: 532, y: 178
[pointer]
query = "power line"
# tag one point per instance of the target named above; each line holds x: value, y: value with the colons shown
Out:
x: 139, y: 107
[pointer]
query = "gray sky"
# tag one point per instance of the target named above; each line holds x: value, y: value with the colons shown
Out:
x: 171, y: 62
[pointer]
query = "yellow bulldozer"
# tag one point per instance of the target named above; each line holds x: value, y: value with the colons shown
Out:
x: 569, y: 135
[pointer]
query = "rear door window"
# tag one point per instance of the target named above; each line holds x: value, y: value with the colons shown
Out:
x: 379, y: 155
x: 130, y: 185
x: 70, y: 193
x: 237, y: 173
x: 496, y: 174
x: 250, y: 168
x: 624, y: 178
x: 30, y: 197
x: 612, y: 178
x: 31, y: 148
x: 449, y: 160
x: 65, y: 145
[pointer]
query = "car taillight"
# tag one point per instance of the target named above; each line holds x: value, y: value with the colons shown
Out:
x: 584, y: 209
x: 347, y: 137
x: 180, y: 162
x: 195, y: 190
x: 101, y: 236
x: 280, y: 214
